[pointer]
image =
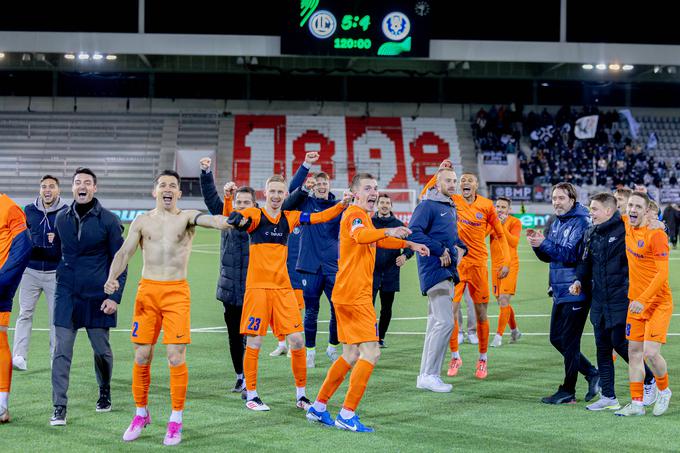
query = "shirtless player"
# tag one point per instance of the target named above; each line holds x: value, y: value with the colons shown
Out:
x: 163, y: 299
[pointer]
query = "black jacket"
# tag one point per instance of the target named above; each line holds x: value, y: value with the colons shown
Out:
x: 88, y: 245
x: 386, y: 272
x: 603, y: 271
x: 45, y: 256
x: 234, y: 245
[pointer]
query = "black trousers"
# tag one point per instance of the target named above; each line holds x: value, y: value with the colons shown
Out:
x: 566, y: 328
x: 386, y: 301
x: 608, y: 340
x: 237, y: 342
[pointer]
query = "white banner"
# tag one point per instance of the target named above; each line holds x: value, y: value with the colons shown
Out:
x: 586, y: 127
x: 502, y: 171
x: 632, y: 124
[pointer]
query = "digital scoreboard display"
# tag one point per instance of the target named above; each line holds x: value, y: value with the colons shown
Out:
x: 359, y: 28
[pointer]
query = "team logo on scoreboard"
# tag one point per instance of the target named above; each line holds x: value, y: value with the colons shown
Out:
x: 396, y: 26
x: 322, y: 24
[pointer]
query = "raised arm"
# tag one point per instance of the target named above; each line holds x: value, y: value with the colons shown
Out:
x: 121, y: 259
x: 301, y: 174
x: 210, y: 196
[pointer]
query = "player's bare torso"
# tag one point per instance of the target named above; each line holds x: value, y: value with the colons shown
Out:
x: 166, y: 240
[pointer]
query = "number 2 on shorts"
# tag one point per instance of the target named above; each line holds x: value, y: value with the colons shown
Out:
x: 135, y: 327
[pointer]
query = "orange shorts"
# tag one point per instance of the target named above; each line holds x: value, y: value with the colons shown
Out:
x: 356, y: 323
x: 4, y: 318
x: 300, y: 299
x: 278, y: 307
x: 650, y: 325
x: 477, y: 280
x: 508, y: 285
x: 163, y: 304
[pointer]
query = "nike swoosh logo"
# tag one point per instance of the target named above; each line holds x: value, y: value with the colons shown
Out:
x: 351, y: 428
x: 576, y: 308
x: 180, y: 336
x: 442, y: 214
x: 297, y: 325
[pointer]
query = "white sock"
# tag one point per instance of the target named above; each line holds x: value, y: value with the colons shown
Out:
x: 346, y: 414
x: 665, y: 391
x: 637, y: 403
x: 311, y: 351
x: 239, y: 376
x: 319, y: 406
x: 331, y: 348
x: 176, y: 416
x: 499, y: 335
x: 4, y: 397
x: 250, y: 394
x: 455, y: 355
x: 142, y: 412
x: 282, y: 344
x: 300, y: 392
x: 482, y: 356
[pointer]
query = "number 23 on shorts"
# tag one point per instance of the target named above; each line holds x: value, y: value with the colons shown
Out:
x: 253, y: 323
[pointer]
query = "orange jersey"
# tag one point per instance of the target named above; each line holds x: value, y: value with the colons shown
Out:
x: 648, y: 254
x: 473, y: 220
x: 268, y: 238
x: 12, y: 223
x: 513, y: 230
x: 356, y: 261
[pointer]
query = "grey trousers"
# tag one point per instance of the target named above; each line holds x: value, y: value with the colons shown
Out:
x: 471, y: 315
x: 61, y: 364
x: 33, y: 283
x: 439, y: 327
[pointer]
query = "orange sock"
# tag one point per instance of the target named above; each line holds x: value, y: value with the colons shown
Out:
x: 453, y: 341
x: 503, y: 319
x: 511, y: 321
x: 141, y: 380
x: 662, y: 382
x: 483, y: 333
x: 250, y: 360
x: 298, y: 362
x: 358, y: 381
x: 179, y: 380
x: 336, y: 374
x: 280, y: 337
x: 5, y: 363
x: 637, y: 390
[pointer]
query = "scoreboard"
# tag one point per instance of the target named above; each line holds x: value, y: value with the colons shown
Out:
x: 359, y: 28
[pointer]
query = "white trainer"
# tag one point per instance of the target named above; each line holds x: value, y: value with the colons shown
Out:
x: 280, y: 350
x: 515, y: 335
x: 650, y: 394
x: 662, y: 401
x: 497, y: 341
x: 473, y: 338
x: 604, y: 403
x: 461, y: 338
x: 332, y: 354
x: 19, y: 363
x: 433, y: 383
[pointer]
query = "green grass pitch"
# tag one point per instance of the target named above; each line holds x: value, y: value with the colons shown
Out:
x: 502, y: 412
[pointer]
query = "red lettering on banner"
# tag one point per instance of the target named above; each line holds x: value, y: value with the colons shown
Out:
x: 423, y: 159
x: 326, y: 151
x: 244, y: 125
x: 355, y: 127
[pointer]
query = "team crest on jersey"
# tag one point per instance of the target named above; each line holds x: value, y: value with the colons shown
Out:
x: 296, y: 230
x: 357, y: 223
x: 641, y: 243
x: 479, y: 216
